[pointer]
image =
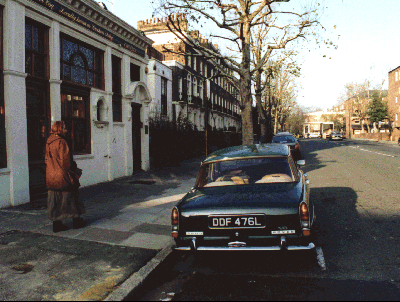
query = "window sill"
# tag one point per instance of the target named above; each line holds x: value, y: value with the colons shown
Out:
x: 119, y: 124
x: 83, y: 157
x: 5, y: 171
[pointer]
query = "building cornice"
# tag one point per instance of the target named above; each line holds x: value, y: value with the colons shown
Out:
x: 92, y: 11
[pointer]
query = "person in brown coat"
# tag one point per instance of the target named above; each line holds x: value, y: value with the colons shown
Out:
x: 62, y: 181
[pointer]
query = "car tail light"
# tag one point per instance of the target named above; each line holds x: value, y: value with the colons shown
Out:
x: 305, y: 219
x: 297, y: 146
x: 175, y: 223
x: 175, y: 217
x: 304, y: 213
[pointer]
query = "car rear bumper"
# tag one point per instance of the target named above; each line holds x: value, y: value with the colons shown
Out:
x: 311, y: 246
x: 195, y: 246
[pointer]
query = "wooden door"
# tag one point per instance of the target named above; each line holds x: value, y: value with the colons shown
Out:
x: 38, y: 124
x: 136, y: 137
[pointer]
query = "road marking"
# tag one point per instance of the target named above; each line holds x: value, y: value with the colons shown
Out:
x: 321, y: 258
x: 383, y: 154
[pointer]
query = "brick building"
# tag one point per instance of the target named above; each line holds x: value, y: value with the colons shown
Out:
x: 190, y: 86
x: 356, y: 113
x: 394, y: 101
x: 323, y: 122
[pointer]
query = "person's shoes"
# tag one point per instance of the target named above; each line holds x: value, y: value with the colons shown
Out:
x: 79, y: 223
x: 59, y: 227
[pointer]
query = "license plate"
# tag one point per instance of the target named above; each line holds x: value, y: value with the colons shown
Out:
x: 237, y: 222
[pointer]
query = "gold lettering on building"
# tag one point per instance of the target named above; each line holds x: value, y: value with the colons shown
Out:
x: 71, y: 16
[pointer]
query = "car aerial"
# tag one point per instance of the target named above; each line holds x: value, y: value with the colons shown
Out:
x: 246, y: 198
x: 336, y: 136
x: 289, y: 140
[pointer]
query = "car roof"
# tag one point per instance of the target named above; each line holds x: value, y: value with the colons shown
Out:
x: 284, y: 133
x: 252, y: 151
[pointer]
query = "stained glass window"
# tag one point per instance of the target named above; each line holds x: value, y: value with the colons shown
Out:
x: 80, y: 63
x: 35, y: 52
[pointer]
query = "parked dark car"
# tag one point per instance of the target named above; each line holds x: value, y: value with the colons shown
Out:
x: 289, y: 140
x: 246, y: 198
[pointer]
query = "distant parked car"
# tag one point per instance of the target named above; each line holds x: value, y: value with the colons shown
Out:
x: 289, y: 140
x: 336, y: 136
x: 315, y: 135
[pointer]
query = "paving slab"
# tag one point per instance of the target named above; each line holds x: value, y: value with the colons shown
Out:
x: 145, y: 240
x: 155, y: 229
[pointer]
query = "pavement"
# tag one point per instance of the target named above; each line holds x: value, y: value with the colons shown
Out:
x: 127, y: 236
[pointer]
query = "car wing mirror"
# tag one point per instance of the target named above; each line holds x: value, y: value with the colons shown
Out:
x: 301, y: 163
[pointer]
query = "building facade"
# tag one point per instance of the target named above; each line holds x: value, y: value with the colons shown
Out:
x: 77, y: 62
x: 394, y: 101
x: 325, y: 121
x: 192, y: 93
x: 159, y: 81
x: 356, y: 113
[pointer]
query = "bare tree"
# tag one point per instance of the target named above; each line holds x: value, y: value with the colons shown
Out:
x: 235, y: 21
x: 358, y: 100
x: 284, y: 95
x: 261, y: 37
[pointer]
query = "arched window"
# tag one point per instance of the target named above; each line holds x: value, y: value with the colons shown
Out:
x: 80, y: 63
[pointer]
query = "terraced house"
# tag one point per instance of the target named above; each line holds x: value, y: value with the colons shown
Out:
x: 190, y: 91
x: 75, y: 61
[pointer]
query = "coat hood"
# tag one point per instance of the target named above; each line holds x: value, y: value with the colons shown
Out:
x: 52, y: 138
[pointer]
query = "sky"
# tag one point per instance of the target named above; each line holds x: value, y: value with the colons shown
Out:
x: 368, y: 46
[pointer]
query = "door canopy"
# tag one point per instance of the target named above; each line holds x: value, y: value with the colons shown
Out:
x: 138, y: 92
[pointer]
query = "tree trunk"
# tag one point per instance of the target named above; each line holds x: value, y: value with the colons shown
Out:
x: 247, y: 115
x: 276, y: 121
x: 261, y: 111
x: 245, y: 89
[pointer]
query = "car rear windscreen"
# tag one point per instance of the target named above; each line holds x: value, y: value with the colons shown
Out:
x: 246, y: 172
x: 284, y: 139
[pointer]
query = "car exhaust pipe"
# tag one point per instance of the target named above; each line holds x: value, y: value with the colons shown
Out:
x: 193, y: 245
x: 283, y: 243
